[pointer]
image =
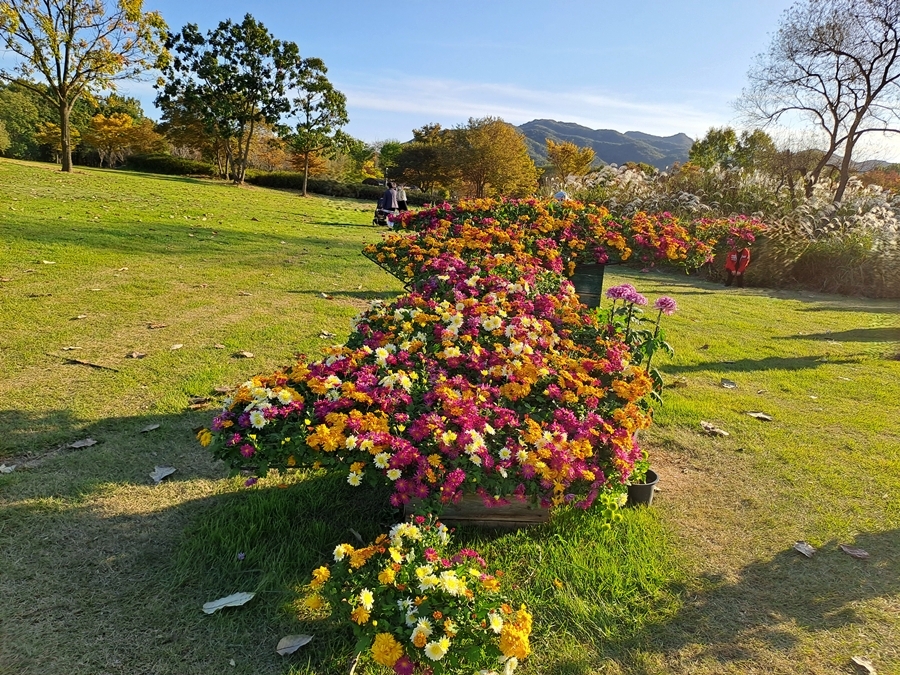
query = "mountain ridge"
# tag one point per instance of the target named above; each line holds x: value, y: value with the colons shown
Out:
x: 610, y: 146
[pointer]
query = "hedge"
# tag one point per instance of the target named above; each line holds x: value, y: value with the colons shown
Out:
x: 293, y: 180
x: 169, y: 165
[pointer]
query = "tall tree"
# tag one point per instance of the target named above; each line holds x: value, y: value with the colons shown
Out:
x: 117, y: 137
x: 724, y: 147
x: 836, y: 64
x: 427, y: 161
x: 48, y: 134
x: 232, y: 79
x: 320, y: 110
x: 388, y: 152
x: 569, y: 159
x: 492, y: 158
x: 78, y: 48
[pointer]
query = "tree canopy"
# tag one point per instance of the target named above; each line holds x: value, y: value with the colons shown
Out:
x: 77, y: 48
x: 231, y: 80
x: 492, y: 158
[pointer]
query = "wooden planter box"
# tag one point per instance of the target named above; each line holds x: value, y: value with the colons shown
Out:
x: 471, y: 511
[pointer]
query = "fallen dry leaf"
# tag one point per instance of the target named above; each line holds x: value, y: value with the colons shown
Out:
x: 326, y: 335
x: 760, y: 416
x: 703, y: 347
x: 291, y: 643
x: 804, y: 548
x: 712, y: 429
x: 864, y: 665
x: 199, y: 400
x: 154, y: 326
x: 84, y: 443
x: 80, y: 316
x: 327, y: 297
x: 244, y: 355
x: 233, y: 600
x: 678, y: 383
x: 853, y: 552
x: 223, y: 390
x: 149, y: 427
x: 48, y: 262
x: 245, y: 293
x: 218, y: 346
x: 69, y: 349
x: 255, y: 219
x: 122, y: 269
x: 161, y: 472
x: 729, y: 384
x: 135, y: 355
x: 176, y: 346
x: 5, y: 279
x: 7, y: 469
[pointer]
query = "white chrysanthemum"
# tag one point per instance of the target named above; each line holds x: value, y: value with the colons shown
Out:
x: 491, y: 323
x: 351, y: 442
x: 424, y: 571
x: 522, y: 456
x: 510, y: 666
x: 424, y: 626
x: 332, y: 382
x: 354, y: 478
x: 505, y: 453
x: 381, y: 355
x: 381, y: 460
x: 285, y: 396
x: 394, y: 474
x: 475, y: 458
x: 435, y: 650
x: 517, y: 347
x: 366, y: 599
x: 495, y: 621
x: 452, y: 352
x: 257, y: 419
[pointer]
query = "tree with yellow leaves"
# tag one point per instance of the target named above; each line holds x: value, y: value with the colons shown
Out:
x: 117, y: 136
x: 49, y: 134
x: 568, y: 159
x: 78, y: 48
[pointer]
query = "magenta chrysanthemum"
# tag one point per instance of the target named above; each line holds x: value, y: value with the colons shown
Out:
x: 666, y: 305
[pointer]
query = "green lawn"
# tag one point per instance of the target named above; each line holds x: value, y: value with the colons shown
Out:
x: 103, y: 572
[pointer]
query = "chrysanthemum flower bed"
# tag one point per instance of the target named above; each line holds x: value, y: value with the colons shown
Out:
x: 561, y: 234
x: 490, y: 379
x: 414, y: 605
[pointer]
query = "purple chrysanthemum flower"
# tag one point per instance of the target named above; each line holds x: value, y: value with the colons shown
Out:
x: 620, y: 292
x: 637, y: 298
x: 666, y: 305
x: 251, y: 481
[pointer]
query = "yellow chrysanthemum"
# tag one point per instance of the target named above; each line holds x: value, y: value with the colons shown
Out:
x: 386, y: 650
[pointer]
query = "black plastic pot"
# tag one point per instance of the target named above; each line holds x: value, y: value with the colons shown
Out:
x: 642, y: 493
x: 588, y: 282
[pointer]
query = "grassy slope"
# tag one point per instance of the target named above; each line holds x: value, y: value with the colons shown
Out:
x: 104, y: 572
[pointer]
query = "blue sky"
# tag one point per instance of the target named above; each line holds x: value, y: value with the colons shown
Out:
x: 657, y: 67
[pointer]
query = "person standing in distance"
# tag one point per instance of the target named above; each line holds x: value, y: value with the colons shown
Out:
x: 401, y: 198
x: 736, y: 263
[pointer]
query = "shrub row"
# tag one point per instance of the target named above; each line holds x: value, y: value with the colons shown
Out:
x: 293, y: 180
x: 170, y: 165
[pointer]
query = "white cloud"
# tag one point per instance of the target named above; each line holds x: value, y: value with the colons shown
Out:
x: 446, y: 99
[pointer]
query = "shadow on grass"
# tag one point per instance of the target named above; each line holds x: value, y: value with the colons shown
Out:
x: 759, y: 611
x: 770, y: 363
x: 854, y: 335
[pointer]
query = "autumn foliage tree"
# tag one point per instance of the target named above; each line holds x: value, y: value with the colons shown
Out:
x: 117, y: 136
x: 77, y: 48
x: 491, y: 158
x: 569, y: 159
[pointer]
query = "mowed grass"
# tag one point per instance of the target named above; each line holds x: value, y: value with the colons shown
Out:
x: 103, y: 572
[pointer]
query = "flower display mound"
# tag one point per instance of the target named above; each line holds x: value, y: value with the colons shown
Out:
x: 562, y: 233
x: 417, y: 607
x: 488, y: 379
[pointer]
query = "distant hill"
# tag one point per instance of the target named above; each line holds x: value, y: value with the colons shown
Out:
x: 611, y: 147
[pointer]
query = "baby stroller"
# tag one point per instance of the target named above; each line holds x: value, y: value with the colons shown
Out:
x: 381, y: 216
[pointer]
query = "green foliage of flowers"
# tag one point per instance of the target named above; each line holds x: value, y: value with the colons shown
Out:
x: 414, y: 604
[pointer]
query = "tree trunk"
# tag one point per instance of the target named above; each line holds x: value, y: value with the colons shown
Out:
x: 65, y: 138
x: 305, y: 171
